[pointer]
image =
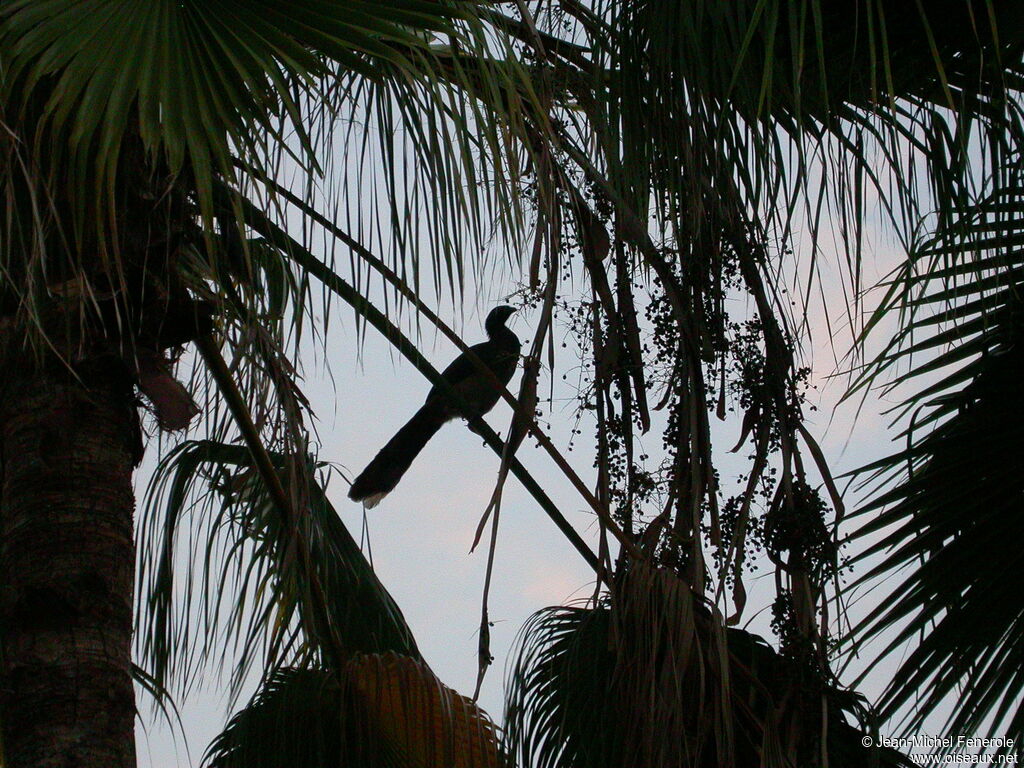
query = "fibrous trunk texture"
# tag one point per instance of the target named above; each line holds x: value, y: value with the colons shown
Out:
x: 67, y: 449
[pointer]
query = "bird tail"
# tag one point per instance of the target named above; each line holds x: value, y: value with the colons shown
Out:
x: 383, y: 473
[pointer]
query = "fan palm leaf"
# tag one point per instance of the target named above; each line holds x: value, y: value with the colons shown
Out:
x: 249, y: 591
x: 945, y: 510
x: 645, y: 677
x: 361, y: 691
x: 199, y: 82
x: 116, y: 109
x: 380, y: 710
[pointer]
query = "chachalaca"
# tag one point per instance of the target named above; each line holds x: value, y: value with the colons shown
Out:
x: 500, y: 353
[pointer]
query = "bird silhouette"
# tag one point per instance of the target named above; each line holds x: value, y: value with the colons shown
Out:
x: 500, y: 353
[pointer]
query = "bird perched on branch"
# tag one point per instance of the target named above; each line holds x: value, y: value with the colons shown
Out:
x: 475, y: 387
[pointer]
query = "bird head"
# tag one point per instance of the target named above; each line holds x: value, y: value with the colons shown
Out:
x: 496, y: 319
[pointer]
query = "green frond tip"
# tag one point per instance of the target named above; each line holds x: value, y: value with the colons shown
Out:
x: 199, y: 82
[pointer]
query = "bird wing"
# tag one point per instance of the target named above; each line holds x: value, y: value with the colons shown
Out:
x: 466, y: 378
x: 462, y: 367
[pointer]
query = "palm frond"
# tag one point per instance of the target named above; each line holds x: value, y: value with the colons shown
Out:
x: 247, y: 594
x: 380, y: 710
x: 119, y: 118
x: 782, y: 114
x: 196, y: 81
x: 421, y: 719
x: 647, y: 677
x: 294, y: 719
x: 161, y: 699
x: 945, y: 510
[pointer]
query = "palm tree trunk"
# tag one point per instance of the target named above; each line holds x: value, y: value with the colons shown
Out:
x: 67, y: 451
